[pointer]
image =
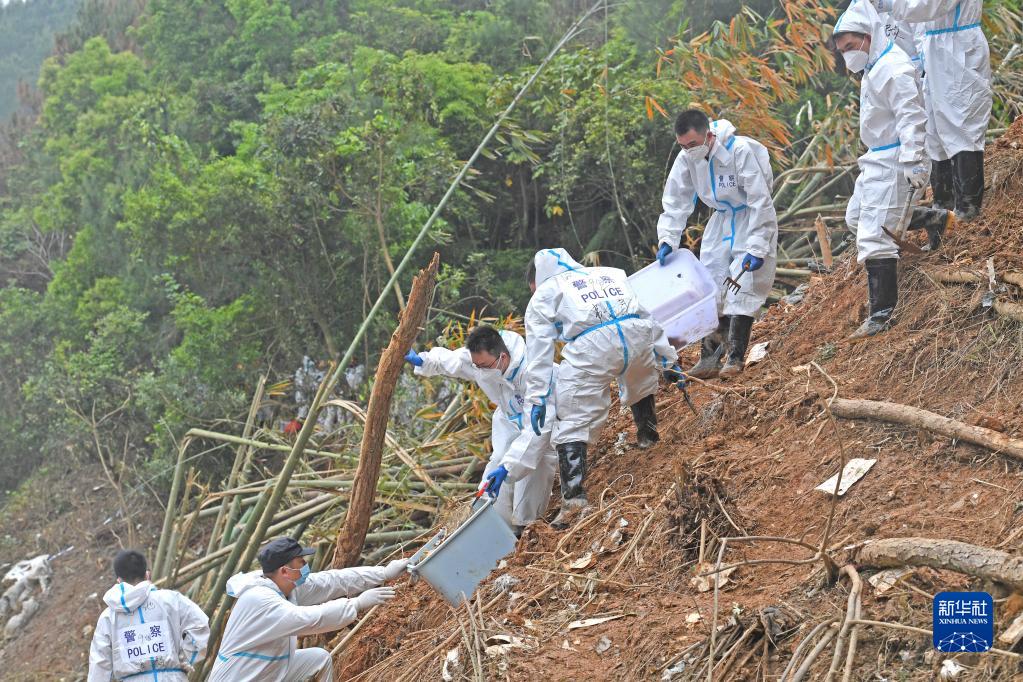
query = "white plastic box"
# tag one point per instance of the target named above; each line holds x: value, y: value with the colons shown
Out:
x: 456, y: 565
x: 681, y: 295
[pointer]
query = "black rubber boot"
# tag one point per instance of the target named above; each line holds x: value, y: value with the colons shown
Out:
x: 935, y: 220
x: 712, y: 348
x: 969, y: 183
x: 572, y: 462
x: 644, y: 413
x: 883, y: 293
x: 738, y: 340
x: 942, y: 174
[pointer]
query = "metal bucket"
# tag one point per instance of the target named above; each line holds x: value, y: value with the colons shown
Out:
x: 454, y: 565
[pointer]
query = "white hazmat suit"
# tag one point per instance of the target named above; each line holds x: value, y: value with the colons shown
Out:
x: 957, y: 88
x: 735, y: 181
x: 261, y: 638
x: 148, y: 635
x: 608, y: 336
x: 893, y: 128
x: 530, y: 459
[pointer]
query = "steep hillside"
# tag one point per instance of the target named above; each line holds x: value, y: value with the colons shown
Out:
x: 747, y: 465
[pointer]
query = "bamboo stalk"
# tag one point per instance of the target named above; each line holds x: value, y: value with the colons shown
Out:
x: 238, y: 440
x: 169, y: 514
x: 228, y: 515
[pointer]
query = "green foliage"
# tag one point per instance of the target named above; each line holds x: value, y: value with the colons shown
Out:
x: 27, y: 30
x: 217, y: 188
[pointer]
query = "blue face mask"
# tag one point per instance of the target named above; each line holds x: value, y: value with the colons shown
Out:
x: 304, y: 574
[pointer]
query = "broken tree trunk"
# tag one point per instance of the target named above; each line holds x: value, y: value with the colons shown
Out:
x: 961, y: 557
x: 929, y: 421
x: 352, y: 534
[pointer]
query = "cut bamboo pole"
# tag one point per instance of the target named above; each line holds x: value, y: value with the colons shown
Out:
x: 228, y: 514
x: 170, y: 513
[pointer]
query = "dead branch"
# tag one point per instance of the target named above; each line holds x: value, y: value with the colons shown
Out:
x: 352, y: 534
x: 961, y: 557
x: 929, y: 421
x: 805, y: 641
x: 929, y: 633
x: 848, y: 629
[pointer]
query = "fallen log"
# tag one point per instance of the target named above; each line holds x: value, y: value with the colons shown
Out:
x: 961, y: 557
x: 1008, y: 309
x: 352, y: 535
x: 929, y: 421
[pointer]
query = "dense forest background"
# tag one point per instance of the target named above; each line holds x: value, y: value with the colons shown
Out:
x: 195, y: 192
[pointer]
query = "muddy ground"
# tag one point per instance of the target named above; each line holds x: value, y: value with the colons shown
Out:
x: 747, y: 465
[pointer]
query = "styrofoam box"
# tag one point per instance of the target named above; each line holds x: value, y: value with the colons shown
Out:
x: 458, y: 564
x: 681, y: 295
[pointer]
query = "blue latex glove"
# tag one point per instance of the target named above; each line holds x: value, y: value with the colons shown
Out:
x: 676, y: 376
x: 537, y: 415
x: 662, y: 253
x: 751, y: 262
x: 413, y: 358
x: 494, y: 480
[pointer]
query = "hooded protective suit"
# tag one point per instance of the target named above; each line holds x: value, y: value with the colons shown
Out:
x: 148, y: 635
x: 904, y: 34
x: 893, y: 128
x: 957, y: 89
x: 607, y: 334
x: 530, y: 459
x: 262, y: 632
x: 735, y: 181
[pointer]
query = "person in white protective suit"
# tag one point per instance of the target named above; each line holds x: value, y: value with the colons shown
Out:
x: 608, y: 336
x: 892, y: 127
x: 496, y: 362
x: 732, y: 175
x: 957, y: 95
x: 276, y: 605
x: 145, y: 634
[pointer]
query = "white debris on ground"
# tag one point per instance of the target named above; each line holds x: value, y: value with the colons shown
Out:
x: 29, y: 581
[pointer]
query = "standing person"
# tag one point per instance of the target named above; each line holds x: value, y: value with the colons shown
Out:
x: 957, y: 95
x: 732, y: 175
x: 145, y: 633
x: 276, y: 605
x: 892, y: 127
x: 608, y: 336
x: 495, y: 361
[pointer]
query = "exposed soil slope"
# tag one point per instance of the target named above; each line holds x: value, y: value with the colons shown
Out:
x: 748, y: 465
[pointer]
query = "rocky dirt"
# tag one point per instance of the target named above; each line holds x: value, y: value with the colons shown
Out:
x: 747, y: 465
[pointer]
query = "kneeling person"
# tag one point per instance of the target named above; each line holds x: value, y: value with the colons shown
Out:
x: 283, y: 601
x: 608, y: 336
x: 145, y: 633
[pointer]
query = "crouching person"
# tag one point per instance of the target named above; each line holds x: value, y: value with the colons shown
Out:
x: 495, y: 361
x: 284, y: 600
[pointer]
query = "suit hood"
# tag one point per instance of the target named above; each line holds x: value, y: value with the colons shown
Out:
x: 723, y: 130
x: 125, y: 597
x: 861, y: 17
x: 239, y: 583
x: 551, y: 262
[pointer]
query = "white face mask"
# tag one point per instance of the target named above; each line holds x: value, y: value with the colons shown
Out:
x: 698, y: 152
x: 856, y: 60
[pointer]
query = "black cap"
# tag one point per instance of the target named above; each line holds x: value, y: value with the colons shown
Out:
x: 279, y: 552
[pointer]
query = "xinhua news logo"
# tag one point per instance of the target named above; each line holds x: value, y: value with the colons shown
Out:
x: 964, y: 621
